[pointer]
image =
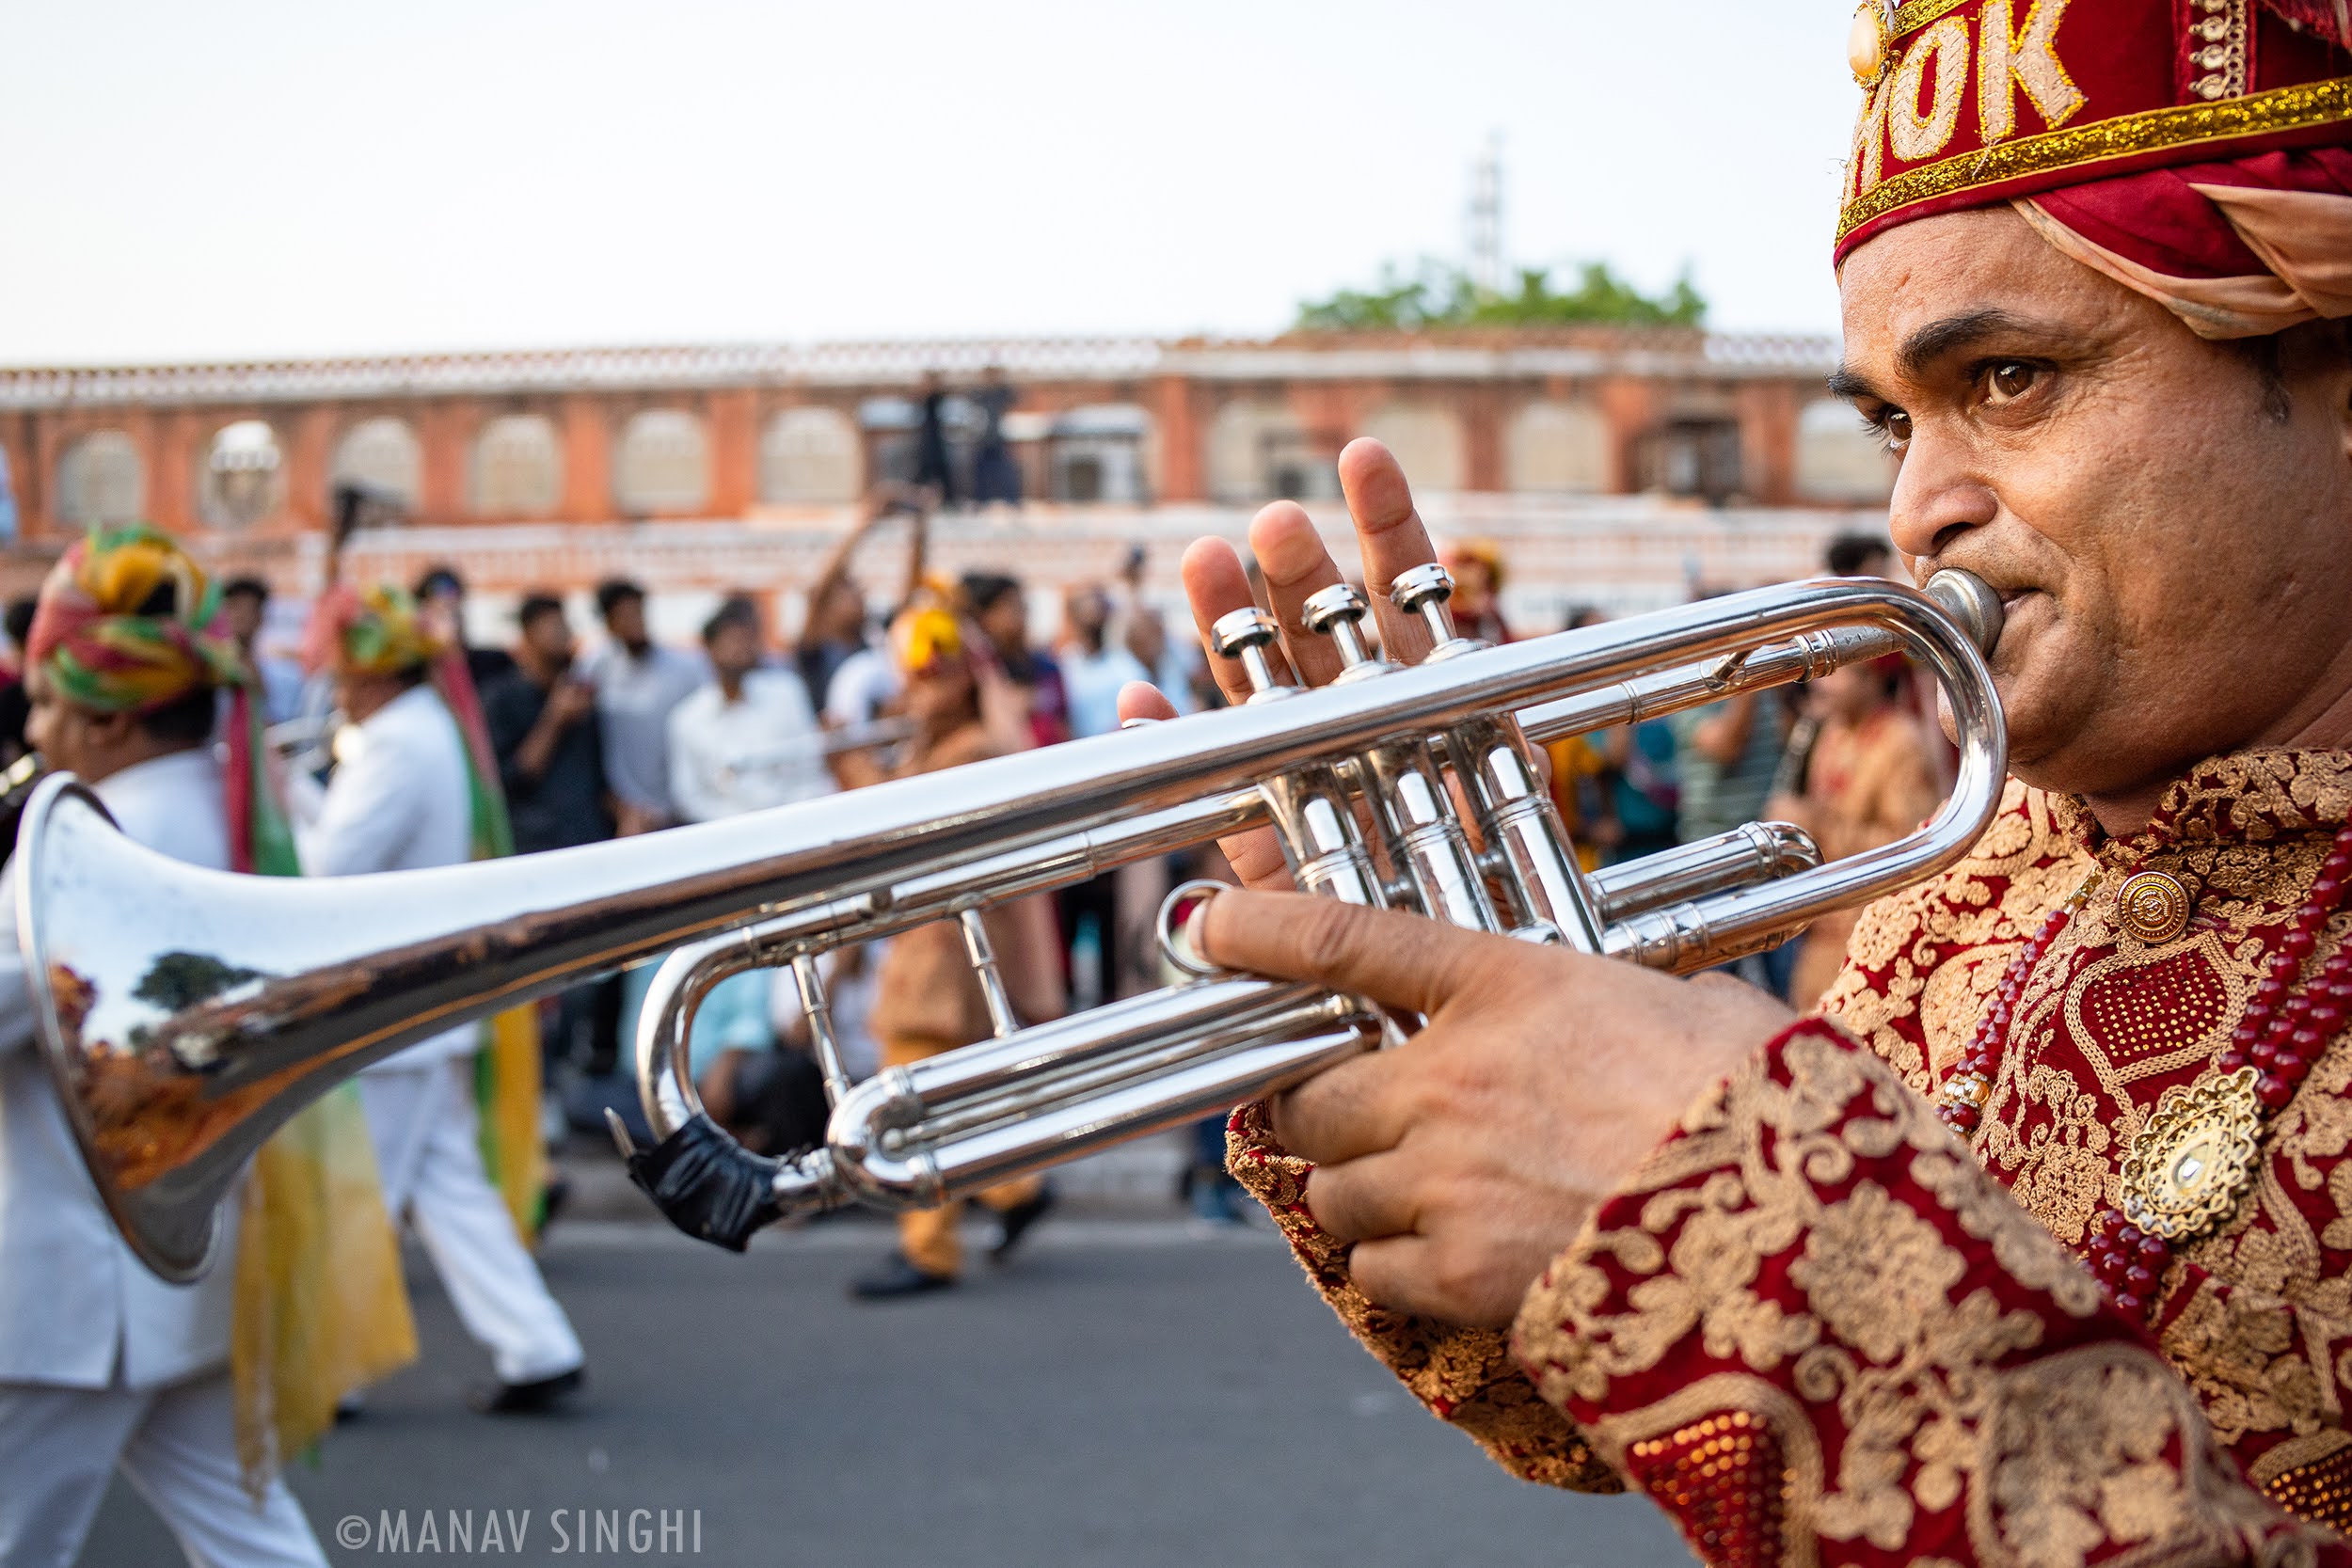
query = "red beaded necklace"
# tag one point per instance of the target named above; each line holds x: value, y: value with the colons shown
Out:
x: 2269, y: 1054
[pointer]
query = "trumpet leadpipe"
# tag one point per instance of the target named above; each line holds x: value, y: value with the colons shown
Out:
x: 1972, y: 607
x: 1752, y: 852
x: 946, y: 1127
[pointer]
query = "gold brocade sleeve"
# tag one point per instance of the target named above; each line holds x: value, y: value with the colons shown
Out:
x: 1814, y: 1331
x: 1465, y: 1376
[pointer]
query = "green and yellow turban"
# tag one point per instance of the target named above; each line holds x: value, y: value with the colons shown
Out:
x: 376, y: 631
x: 121, y: 627
x: 109, y: 638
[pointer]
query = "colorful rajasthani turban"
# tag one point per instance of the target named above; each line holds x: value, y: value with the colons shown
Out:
x: 120, y: 627
x: 923, y: 637
x: 378, y: 631
x: 109, y: 639
x: 2197, y: 151
x: 1484, y: 552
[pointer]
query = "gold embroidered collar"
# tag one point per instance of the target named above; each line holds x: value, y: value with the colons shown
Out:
x: 2250, y: 796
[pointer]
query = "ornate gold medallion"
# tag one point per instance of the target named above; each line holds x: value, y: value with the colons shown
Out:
x: 2153, y: 906
x: 2194, y: 1160
x: 1867, y: 41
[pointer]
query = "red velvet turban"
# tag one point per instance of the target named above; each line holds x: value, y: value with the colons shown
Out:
x: 2197, y: 151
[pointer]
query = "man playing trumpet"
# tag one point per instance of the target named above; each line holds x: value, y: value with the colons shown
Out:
x: 2036, y: 1244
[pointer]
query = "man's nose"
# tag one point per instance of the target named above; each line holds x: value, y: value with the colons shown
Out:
x: 1938, y: 493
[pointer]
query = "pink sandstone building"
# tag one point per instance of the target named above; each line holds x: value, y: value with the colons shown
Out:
x: 1617, y: 468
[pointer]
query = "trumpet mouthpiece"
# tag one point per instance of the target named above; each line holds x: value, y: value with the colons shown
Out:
x: 1969, y: 600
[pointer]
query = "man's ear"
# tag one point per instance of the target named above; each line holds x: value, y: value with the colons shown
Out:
x: 2344, y: 380
x: 110, y: 731
x: 2336, y: 377
x: 2321, y: 355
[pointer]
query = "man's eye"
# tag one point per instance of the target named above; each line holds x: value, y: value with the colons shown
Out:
x: 1895, y: 429
x: 2010, y: 380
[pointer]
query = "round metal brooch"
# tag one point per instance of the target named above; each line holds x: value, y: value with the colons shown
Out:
x: 2153, y: 906
x: 2195, y: 1158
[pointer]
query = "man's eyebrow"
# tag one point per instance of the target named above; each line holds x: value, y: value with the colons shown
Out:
x: 1939, y: 339
x: 1848, y: 383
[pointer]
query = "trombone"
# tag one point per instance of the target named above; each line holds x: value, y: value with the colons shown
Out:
x: 186, y: 1013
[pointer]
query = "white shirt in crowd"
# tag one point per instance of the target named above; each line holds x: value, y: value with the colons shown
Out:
x: 762, y: 750
x: 867, y: 683
x: 1091, y: 683
x: 635, y: 696
x: 77, y: 1310
x: 400, y: 800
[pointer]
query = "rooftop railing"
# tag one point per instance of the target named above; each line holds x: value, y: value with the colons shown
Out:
x: 903, y: 363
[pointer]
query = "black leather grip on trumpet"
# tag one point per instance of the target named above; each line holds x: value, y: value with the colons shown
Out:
x: 708, y: 1184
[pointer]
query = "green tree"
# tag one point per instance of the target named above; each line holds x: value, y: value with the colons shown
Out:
x: 1438, y: 295
x: 178, y: 981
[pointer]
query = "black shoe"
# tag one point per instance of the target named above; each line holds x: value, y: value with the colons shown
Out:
x: 1015, y: 1223
x: 535, y: 1397
x: 898, y: 1277
x: 551, y: 1202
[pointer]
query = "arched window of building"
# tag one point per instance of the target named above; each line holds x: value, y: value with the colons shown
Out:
x: 518, y: 468
x: 1839, y: 460
x: 1258, y: 449
x: 810, y: 456
x: 380, y: 456
x: 244, y: 476
x: 1428, y: 443
x: 1557, y: 449
x: 662, y: 464
x: 100, y: 480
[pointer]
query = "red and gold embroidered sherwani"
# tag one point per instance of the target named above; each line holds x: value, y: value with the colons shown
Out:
x: 1817, y: 1326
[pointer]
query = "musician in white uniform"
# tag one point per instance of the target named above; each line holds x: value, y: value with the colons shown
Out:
x: 103, y: 1365
x: 399, y: 799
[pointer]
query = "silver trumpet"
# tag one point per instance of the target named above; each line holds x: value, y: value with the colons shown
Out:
x: 872, y: 735
x: 305, y: 744
x: 186, y: 1013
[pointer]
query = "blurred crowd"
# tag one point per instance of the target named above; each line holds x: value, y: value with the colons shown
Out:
x: 601, y: 731
x: 391, y: 744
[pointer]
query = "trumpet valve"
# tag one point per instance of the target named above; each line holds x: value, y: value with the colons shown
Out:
x: 1338, y: 612
x: 1246, y: 635
x: 1423, y: 592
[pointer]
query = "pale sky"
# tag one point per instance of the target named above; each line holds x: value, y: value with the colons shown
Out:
x: 245, y: 178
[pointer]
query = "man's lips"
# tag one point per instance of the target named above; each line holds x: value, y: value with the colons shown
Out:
x: 2012, y: 600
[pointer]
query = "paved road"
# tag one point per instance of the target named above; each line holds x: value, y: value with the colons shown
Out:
x: 1127, y: 1395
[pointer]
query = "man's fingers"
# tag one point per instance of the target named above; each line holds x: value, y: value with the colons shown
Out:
x: 1390, y: 532
x: 1291, y: 554
x: 1394, y: 1272
x: 1256, y: 857
x: 1142, y: 700
x: 1342, y: 1113
x: 1431, y: 1277
x: 1359, y: 1200
x: 1215, y: 585
x: 1402, y: 961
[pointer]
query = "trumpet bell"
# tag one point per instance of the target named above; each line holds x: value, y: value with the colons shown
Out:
x: 154, y: 1142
